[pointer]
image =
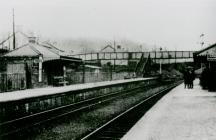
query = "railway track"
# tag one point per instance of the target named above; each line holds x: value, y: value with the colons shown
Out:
x: 117, y: 127
x: 21, y: 125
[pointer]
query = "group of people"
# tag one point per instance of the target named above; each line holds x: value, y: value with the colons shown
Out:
x: 189, y: 76
x: 208, y: 78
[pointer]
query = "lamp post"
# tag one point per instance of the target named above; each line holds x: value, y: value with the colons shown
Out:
x: 201, y: 40
x: 83, y: 80
x: 160, y: 61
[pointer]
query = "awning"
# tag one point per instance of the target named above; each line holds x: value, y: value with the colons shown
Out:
x: 93, y: 67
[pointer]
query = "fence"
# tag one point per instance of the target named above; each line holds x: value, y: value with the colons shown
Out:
x: 77, y: 77
x: 17, y: 81
x: 10, y: 82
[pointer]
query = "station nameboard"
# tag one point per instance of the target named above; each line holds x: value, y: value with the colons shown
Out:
x: 211, y: 57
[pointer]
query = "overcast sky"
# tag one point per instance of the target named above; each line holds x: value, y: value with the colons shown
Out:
x: 174, y: 24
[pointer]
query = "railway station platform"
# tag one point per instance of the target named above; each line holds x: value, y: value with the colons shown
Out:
x: 182, y: 114
x: 48, y: 91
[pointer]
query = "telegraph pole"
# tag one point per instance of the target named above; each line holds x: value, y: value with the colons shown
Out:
x: 114, y: 45
x: 160, y: 60
x: 14, y: 39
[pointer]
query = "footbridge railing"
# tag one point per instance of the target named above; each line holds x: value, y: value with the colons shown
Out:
x: 170, y: 56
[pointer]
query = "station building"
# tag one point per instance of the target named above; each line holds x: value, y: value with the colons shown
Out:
x: 206, y: 59
x: 35, y: 65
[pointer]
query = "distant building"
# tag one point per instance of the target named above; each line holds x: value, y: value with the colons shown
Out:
x: 20, y: 39
x: 36, y: 65
x: 6, y: 44
x: 109, y: 48
x: 3, y: 51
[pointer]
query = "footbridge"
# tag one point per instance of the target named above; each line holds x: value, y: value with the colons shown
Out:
x: 157, y: 56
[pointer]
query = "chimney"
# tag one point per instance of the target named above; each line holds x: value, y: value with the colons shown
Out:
x: 32, y: 39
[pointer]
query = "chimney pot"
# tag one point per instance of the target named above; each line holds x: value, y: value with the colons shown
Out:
x: 32, y: 39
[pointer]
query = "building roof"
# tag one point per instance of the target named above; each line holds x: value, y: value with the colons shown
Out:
x: 11, y: 35
x: 108, y: 47
x: 211, y: 50
x: 20, y: 37
x: 47, y: 51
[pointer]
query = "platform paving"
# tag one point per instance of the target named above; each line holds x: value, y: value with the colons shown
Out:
x: 182, y: 114
x: 39, y: 92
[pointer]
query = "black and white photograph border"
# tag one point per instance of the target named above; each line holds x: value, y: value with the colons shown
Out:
x: 107, y: 69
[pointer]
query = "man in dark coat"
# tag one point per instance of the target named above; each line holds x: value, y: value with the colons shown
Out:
x: 204, y: 78
x: 186, y: 78
x: 191, y: 78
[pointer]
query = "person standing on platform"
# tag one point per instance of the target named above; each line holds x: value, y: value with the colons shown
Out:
x: 186, y: 77
x: 194, y: 75
x: 212, y: 79
x: 191, y: 78
x: 205, y: 78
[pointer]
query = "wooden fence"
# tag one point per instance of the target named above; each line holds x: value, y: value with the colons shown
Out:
x: 17, y: 81
x: 77, y: 77
x: 11, y: 82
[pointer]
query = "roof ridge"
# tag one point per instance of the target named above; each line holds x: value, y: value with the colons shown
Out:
x: 47, y: 43
x: 107, y: 47
x: 34, y: 49
x: 209, y: 47
x: 50, y: 49
x: 23, y: 34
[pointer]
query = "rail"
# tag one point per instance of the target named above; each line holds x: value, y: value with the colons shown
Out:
x: 7, y: 127
x: 27, y: 102
x: 119, y: 125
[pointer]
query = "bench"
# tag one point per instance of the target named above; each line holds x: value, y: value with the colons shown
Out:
x: 59, y: 81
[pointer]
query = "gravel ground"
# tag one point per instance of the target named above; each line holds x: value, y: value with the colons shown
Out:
x: 80, y: 124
